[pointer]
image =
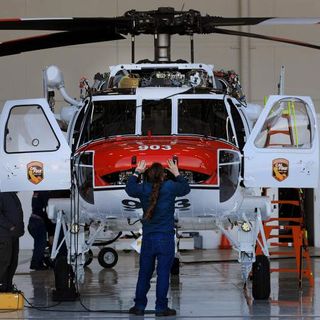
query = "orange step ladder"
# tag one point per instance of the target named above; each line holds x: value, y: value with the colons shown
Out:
x: 296, y: 239
x: 284, y: 131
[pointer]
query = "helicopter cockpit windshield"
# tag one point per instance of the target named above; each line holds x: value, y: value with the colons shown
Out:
x: 207, y: 117
x: 110, y: 118
x: 156, y: 117
x: 182, y: 115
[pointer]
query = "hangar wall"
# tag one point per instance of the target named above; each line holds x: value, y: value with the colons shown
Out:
x: 258, y: 61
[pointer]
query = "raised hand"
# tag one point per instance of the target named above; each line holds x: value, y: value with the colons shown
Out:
x: 173, y: 168
x: 141, y: 167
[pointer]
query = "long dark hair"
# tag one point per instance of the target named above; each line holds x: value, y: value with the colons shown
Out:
x: 155, y: 175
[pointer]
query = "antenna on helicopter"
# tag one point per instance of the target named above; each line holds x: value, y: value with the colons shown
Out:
x: 281, y: 81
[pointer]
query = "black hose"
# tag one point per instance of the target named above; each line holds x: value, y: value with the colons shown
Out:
x: 105, y: 243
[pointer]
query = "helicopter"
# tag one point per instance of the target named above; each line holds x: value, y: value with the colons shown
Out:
x: 227, y: 148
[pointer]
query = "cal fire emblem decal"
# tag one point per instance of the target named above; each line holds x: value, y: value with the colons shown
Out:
x: 35, y: 171
x: 280, y: 169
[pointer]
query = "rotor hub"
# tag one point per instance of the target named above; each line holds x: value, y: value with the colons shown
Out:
x: 165, y: 20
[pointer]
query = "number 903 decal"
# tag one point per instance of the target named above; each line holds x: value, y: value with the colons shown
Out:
x: 154, y: 147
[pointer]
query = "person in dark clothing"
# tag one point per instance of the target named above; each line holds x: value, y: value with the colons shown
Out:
x: 157, y: 197
x: 11, y: 229
x: 40, y: 227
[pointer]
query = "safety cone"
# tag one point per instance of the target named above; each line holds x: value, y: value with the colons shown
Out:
x: 224, y: 242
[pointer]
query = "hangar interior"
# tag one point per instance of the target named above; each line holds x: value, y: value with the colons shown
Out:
x: 209, y: 284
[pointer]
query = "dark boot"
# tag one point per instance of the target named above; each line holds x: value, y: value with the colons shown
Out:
x: 166, y: 313
x: 134, y: 310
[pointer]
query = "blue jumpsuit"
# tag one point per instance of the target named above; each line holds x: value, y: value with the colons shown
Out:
x: 158, y: 237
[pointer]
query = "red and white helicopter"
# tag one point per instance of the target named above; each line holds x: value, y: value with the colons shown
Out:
x: 227, y: 148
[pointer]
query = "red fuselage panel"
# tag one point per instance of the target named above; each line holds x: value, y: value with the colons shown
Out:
x: 194, y: 154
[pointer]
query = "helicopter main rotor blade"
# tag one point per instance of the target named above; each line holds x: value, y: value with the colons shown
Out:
x: 80, y: 30
x: 209, y: 21
x: 260, y: 36
x: 63, y: 24
x: 148, y: 22
x: 54, y: 40
x: 290, y: 21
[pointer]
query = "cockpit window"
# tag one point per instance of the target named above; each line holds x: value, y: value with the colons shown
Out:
x: 113, y: 117
x: 288, y: 125
x: 156, y: 117
x: 206, y: 117
x: 22, y: 135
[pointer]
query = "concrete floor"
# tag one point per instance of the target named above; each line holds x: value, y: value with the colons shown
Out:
x: 205, y: 289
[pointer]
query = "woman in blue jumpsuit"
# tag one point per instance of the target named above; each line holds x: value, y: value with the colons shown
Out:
x: 157, y: 197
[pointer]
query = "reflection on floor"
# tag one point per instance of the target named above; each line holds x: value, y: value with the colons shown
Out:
x: 206, y: 289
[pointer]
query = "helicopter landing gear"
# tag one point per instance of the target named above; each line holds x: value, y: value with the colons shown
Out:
x: 88, y: 257
x: 261, y: 278
x: 108, y: 257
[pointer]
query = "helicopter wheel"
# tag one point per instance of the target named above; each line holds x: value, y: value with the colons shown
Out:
x: 88, y: 257
x: 175, y: 269
x: 107, y: 257
x: 261, y: 278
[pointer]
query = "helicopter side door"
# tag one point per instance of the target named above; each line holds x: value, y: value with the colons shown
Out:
x: 283, y: 148
x: 34, y: 154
